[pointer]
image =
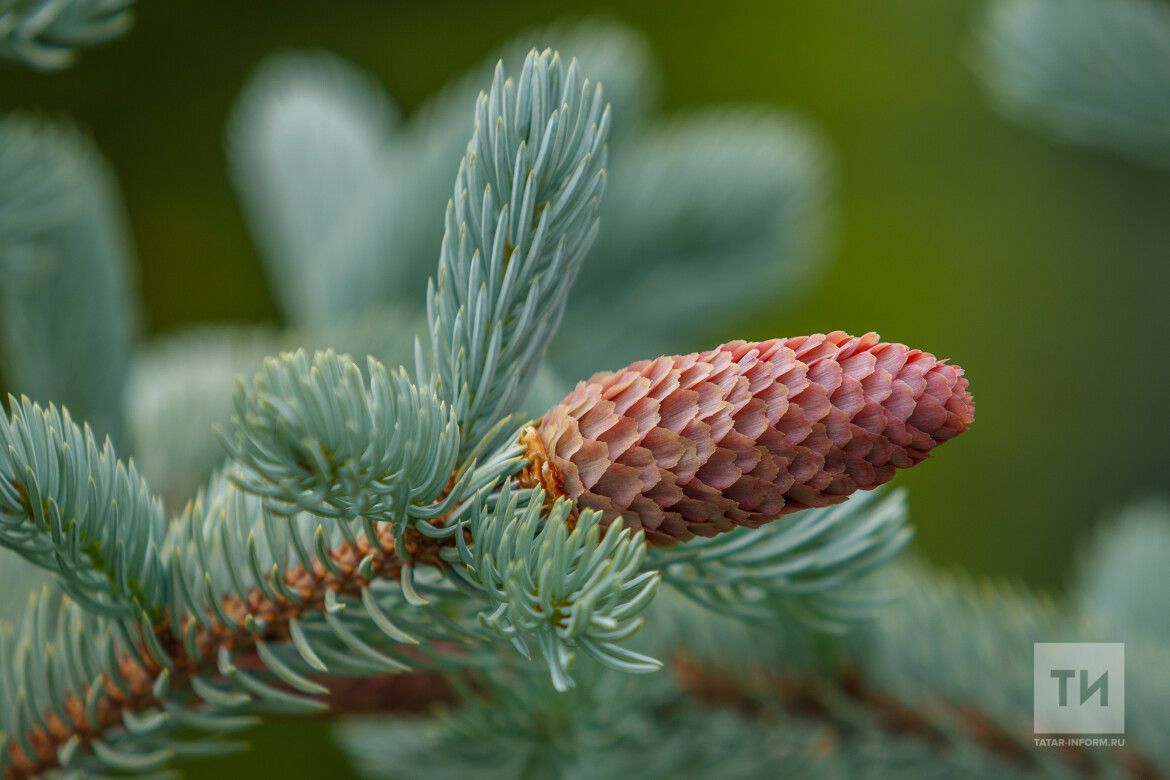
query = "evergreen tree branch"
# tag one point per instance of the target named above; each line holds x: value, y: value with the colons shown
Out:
x: 366, y: 524
x: 556, y: 582
x: 921, y: 669
x: 349, y: 482
x: 522, y: 218
x: 814, y: 567
x: 198, y: 664
x: 848, y: 705
x: 309, y: 435
x: 258, y: 597
x: 71, y: 507
x: 148, y: 676
x: 180, y: 388
x: 847, y: 699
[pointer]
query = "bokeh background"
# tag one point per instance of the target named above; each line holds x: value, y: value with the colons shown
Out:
x: 1039, y: 267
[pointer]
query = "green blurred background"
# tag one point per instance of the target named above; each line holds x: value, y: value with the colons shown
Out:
x: 1038, y: 267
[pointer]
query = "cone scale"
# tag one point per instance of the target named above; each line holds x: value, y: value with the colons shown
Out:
x: 696, y: 445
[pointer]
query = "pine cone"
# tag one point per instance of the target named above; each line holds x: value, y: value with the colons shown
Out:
x: 745, y: 433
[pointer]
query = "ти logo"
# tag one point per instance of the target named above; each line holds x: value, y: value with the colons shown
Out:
x: 1078, y: 688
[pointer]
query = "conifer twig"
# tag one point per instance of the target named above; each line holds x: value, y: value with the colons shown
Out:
x: 311, y: 585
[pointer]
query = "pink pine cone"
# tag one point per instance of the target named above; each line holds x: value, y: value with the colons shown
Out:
x: 740, y: 435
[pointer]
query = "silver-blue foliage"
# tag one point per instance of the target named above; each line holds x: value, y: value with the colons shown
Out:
x: 723, y: 195
x: 814, y: 565
x: 308, y: 147
x: 53, y: 649
x: 63, y: 248
x: 180, y: 387
x: 560, y: 589
x: 70, y: 506
x: 296, y: 560
x: 1129, y: 553
x: 1092, y: 71
x: 45, y: 34
x: 520, y: 222
x: 225, y: 526
x: 310, y: 434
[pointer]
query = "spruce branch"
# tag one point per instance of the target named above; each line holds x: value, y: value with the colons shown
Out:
x: 560, y: 584
x: 181, y: 388
x: 307, y: 601
x: 45, y: 34
x: 53, y: 649
x: 787, y: 720
x: 522, y: 218
x: 815, y: 567
x: 79, y: 499
x: 310, y: 435
x: 228, y: 634
x: 258, y: 602
x: 71, y: 507
x: 367, y: 524
x: 709, y: 197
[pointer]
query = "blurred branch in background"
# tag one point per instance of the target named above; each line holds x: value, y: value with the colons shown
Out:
x: 1126, y: 558
x: 933, y: 688
x: 68, y: 308
x: 45, y: 34
x: 1096, y: 72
